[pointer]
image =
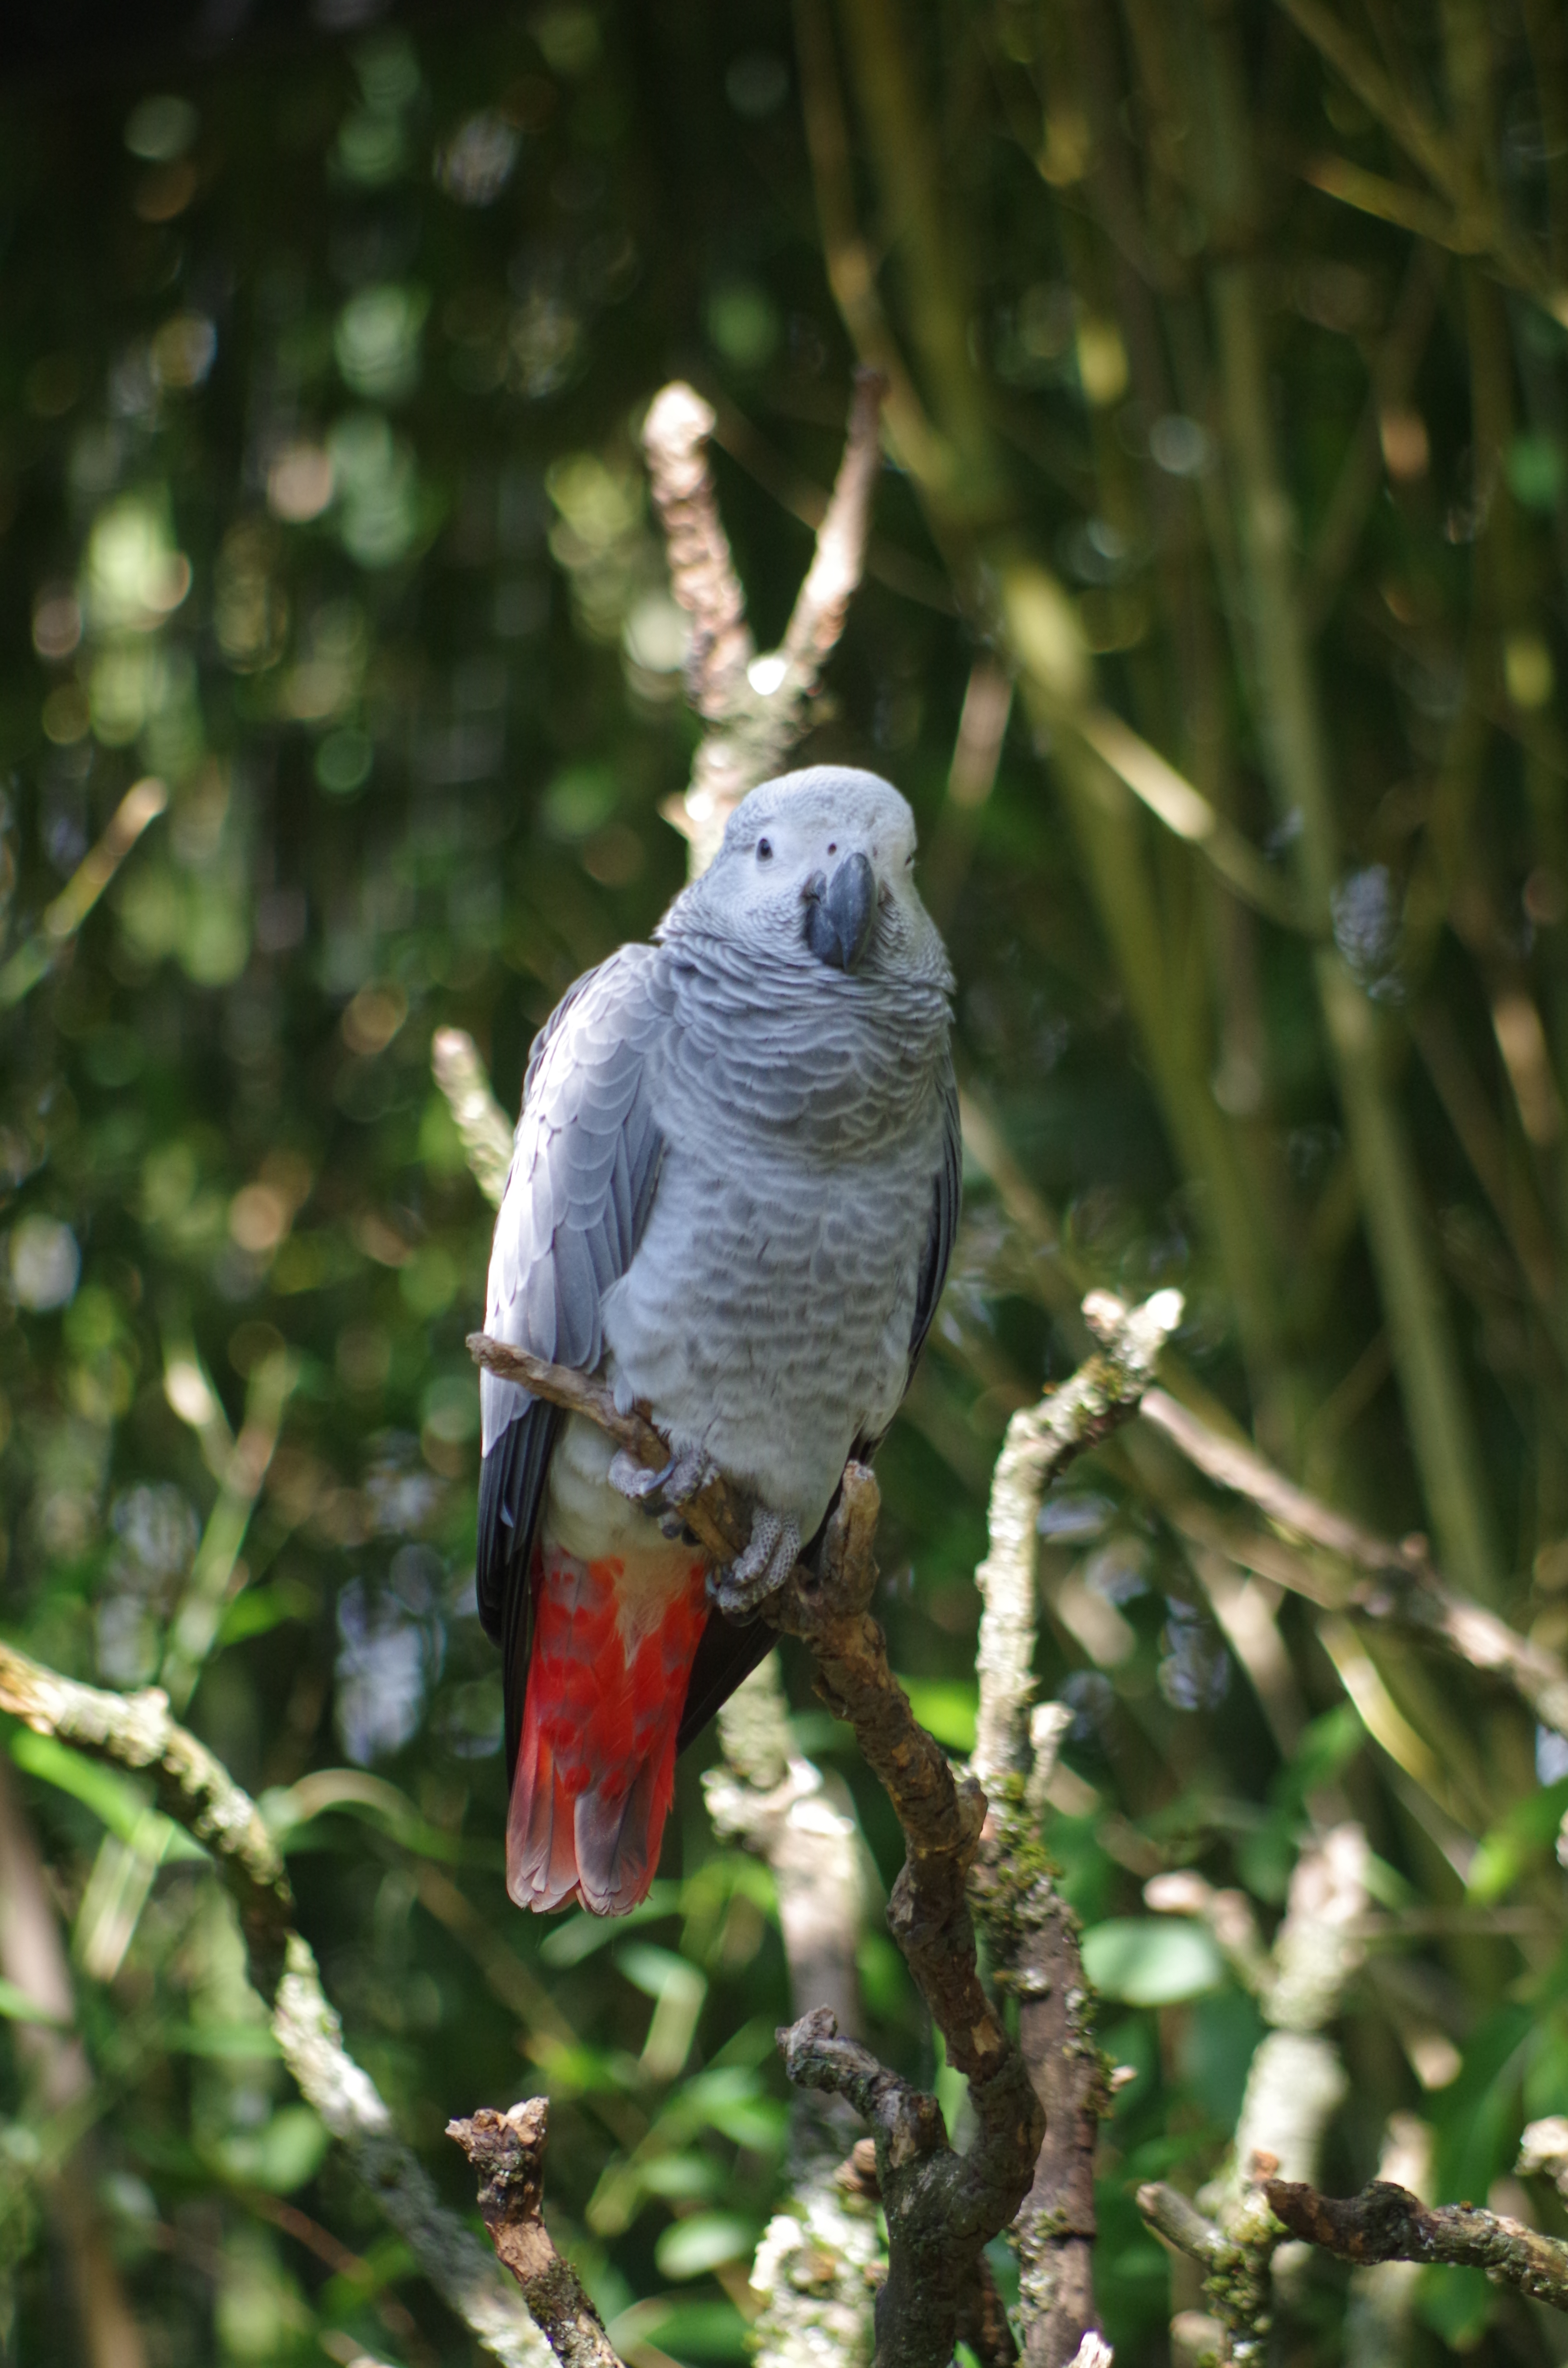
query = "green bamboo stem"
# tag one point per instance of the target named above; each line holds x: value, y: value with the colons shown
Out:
x: 1296, y: 755
x: 1039, y: 625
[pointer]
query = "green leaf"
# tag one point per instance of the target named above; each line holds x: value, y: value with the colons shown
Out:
x: 1525, y: 1833
x: 258, y: 1609
x: 17, y: 2007
x: 1534, y: 471
x: 1152, y: 1960
x: 1455, y: 2304
x: 704, y: 2242
x: 945, y: 1708
x: 1479, y: 2116
x: 580, y: 1935
x: 241, y: 2043
x: 281, y: 2156
x: 683, y: 2328
x: 117, y: 1801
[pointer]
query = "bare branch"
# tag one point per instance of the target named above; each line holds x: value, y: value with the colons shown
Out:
x: 1401, y: 1588
x: 945, y: 2225
x: 716, y: 1516
x: 190, y: 1785
x: 142, y: 804
x: 839, y: 559
x: 1234, y: 2259
x: 1385, y: 2222
x: 702, y: 571
x: 195, y: 1789
x: 757, y: 707
x: 507, y: 2150
x: 769, y: 1798
x: 1032, y: 1934
x: 1040, y: 1445
x: 941, y: 2208
x: 478, y: 1116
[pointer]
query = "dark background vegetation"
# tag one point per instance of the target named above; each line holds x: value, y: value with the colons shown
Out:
x: 323, y: 350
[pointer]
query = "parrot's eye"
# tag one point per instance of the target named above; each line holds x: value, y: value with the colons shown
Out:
x: 765, y: 851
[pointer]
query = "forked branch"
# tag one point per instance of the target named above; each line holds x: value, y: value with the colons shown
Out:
x: 755, y: 707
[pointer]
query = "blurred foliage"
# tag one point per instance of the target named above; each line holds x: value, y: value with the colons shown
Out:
x: 320, y: 377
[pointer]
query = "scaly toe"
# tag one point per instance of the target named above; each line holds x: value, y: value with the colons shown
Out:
x: 770, y: 1555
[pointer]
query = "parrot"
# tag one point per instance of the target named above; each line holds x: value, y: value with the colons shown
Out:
x: 732, y: 1196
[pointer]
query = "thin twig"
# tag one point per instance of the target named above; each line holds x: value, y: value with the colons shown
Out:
x: 142, y: 804
x: 1235, y: 2259
x: 1400, y: 1587
x: 1041, y: 1442
x: 479, y: 1118
x: 1385, y: 2222
x: 715, y: 1516
x: 838, y: 562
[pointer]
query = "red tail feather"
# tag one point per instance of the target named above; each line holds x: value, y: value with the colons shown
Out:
x: 612, y: 1655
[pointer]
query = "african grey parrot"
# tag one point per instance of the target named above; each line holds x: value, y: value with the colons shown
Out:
x: 732, y: 1193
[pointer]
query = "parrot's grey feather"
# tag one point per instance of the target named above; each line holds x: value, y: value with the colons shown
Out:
x: 734, y: 1193
x: 731, y: 1649
x: 584, y: 1169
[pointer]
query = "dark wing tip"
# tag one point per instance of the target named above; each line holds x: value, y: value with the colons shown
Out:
x: 511, y: 1499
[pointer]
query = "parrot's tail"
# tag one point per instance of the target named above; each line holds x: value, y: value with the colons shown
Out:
x: 612, y: 1652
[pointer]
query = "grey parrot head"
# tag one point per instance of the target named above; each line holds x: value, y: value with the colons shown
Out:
x: 818, y: 867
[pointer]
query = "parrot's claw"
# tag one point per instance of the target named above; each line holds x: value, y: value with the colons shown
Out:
x: 661, y: 1495
x: 769, y: 1557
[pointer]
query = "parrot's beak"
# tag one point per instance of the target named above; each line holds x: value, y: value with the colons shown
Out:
x: 840, y: 911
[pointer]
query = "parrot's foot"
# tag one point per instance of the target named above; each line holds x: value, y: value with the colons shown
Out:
x: 769, y: 1557
x: 662, y: 1494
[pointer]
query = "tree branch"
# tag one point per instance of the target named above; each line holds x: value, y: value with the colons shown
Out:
x: 507, y: 2150
x: 1032, y: 1934
x: 33, y: 960
x: 941, y: 2208
x: 1399, y: 1589
x: 1041, y: 1442
x: 1234, y: 2259
x: 717, y: 1516
x: 1385, y: 2222
x: 194, y: 1788
x: 755, y: 707
x: 479, y: 1120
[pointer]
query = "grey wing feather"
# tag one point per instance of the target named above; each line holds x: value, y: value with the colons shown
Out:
x: 947, y: 1199
x: 584, y: 1170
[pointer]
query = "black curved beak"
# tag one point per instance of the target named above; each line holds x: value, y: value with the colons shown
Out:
x: 840, y: 911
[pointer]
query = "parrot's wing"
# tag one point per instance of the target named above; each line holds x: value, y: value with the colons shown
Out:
x: 584, y: 1170
x: 946, y: 1200
x: 730, y: 1650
